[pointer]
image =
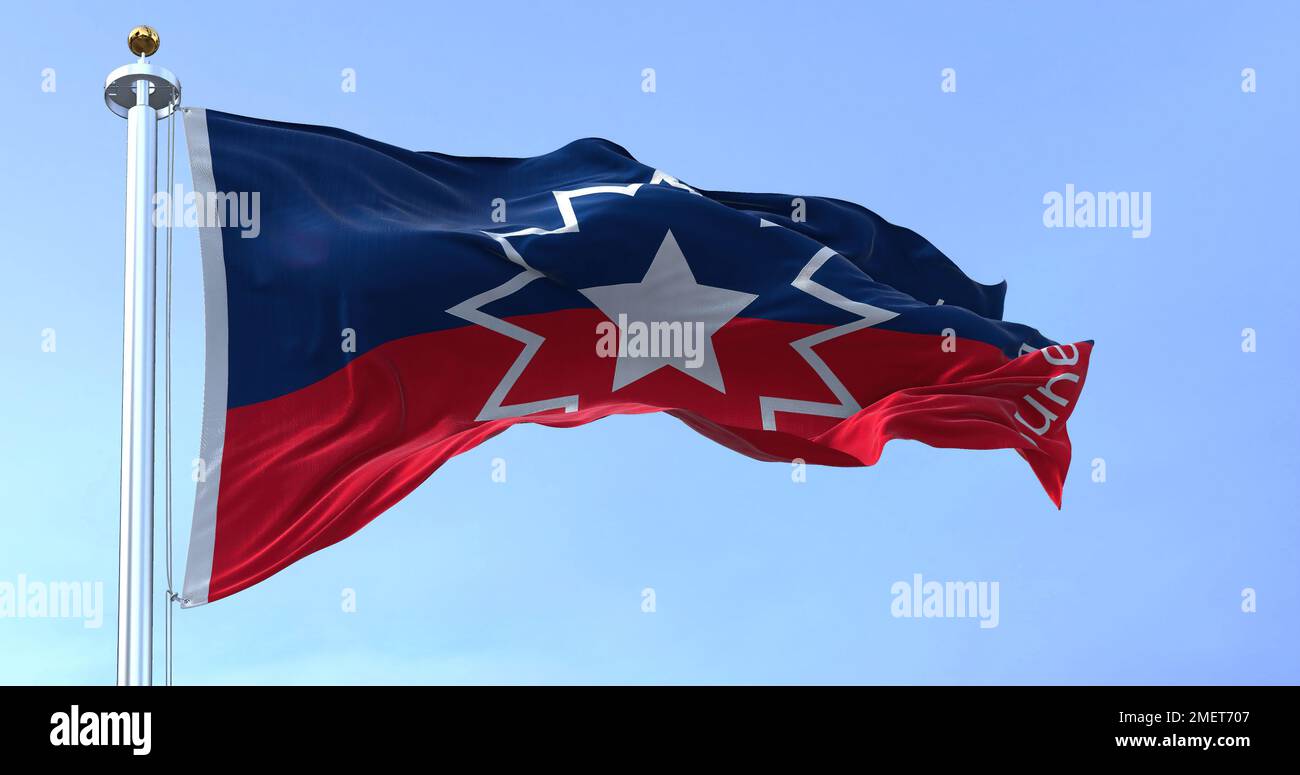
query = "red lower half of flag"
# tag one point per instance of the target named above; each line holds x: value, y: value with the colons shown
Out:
x: 307, y: 469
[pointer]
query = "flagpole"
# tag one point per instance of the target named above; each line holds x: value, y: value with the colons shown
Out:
x: 141, y: 93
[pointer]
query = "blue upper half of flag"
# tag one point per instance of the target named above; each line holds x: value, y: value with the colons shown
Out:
x: 351, y: 233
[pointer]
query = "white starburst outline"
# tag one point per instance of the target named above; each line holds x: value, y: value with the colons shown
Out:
x: 472, y: 308
x: 869, y: 315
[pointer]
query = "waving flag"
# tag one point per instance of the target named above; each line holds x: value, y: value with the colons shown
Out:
x: 373, y: 311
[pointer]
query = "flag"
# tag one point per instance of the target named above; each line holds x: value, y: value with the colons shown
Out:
x: 373, y: 311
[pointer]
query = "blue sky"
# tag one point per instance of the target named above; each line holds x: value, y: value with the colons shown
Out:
x: 757, y: 578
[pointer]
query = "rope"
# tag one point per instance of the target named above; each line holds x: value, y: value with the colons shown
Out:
x: 167, y: 393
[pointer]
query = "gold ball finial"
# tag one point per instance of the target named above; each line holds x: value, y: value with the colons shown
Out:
x: 143, y: 41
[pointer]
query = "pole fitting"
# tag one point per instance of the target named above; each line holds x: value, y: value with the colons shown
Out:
x: 143, y: 41
x: 120, y: 92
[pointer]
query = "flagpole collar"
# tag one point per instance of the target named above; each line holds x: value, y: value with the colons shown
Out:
x: 164, y: 88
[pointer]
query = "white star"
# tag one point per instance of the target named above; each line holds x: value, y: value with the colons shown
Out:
x: 472, y: 309
x: 670, y: 296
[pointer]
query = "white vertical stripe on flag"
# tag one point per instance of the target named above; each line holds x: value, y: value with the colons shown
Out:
x: 198, y: 566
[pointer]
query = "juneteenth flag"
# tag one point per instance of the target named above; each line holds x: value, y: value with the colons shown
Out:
x: 380, y: 310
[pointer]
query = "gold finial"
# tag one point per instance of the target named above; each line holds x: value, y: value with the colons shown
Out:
x: 143, y: 41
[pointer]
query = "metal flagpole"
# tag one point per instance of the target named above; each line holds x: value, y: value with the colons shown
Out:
x: 141, y: 93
